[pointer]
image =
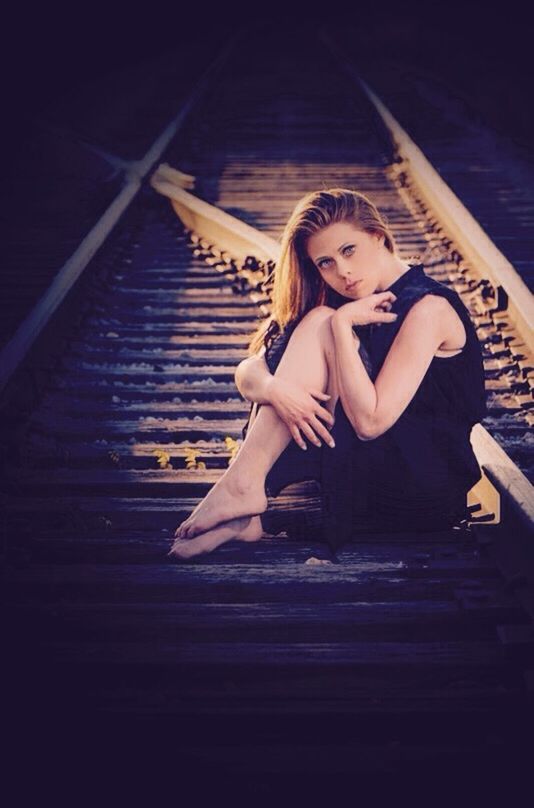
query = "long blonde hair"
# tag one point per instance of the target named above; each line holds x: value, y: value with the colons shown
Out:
x: 297, y: 284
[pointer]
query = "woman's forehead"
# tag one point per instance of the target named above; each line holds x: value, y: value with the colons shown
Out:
x: 332, y: 235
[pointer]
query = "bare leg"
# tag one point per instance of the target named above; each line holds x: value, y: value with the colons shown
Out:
x: 240, y: 491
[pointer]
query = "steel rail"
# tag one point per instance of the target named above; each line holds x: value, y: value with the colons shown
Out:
x: 20, y: 343
x: 464, y: 229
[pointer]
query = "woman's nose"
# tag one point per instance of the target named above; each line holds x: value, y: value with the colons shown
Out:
x: 345, y: 272
x: 345, y: 264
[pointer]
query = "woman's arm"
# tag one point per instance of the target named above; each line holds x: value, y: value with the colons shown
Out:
x: 373, y: 408
x: 294, y: 403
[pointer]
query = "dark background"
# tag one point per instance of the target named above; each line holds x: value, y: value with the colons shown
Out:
x: 484, y: 53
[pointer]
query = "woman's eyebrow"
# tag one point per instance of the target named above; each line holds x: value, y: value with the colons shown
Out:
x: 346, y: 244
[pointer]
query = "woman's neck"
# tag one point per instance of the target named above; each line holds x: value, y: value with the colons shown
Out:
x: 392, y: 273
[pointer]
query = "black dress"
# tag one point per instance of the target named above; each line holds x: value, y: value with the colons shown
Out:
x: 416, y: 475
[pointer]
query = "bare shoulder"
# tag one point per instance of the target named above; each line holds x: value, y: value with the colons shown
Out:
x: 432, y: 306
x: 435, y: 311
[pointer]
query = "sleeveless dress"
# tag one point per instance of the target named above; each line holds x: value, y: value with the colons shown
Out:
x: 416, y: 475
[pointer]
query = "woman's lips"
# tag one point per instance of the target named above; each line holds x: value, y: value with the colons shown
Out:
x: 348, y: 288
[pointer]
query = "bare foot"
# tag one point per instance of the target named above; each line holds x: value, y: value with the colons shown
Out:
x: 230, y: 498
x: 244, y: 528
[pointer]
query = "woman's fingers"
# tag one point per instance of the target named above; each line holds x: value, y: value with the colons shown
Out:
x: 309, y: 433
x: 385, y: 317
x: 323, y: 413
x: 297, y: 437
x: 300, y: 441
x: 314, y: 430
x: 384, y: 296
x: 322, y: 431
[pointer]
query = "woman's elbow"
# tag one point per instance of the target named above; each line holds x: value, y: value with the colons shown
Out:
x: 364, y: 431
x: 368, y: 430
x: 365, y: 435
x: 374, y: 429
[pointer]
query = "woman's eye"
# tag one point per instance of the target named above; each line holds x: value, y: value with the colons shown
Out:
x: 322, y: 264
x: 350, y: 248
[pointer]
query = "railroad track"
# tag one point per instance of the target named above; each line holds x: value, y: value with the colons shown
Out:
x: 134, y: 413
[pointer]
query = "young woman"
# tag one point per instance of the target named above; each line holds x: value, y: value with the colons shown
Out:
x: 373, y: 362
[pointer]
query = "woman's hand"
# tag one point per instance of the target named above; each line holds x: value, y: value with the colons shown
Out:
x: 370, y: 309
x: 300, y: 411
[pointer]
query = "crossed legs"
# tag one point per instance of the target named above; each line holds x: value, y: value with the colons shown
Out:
x: 232, y: 508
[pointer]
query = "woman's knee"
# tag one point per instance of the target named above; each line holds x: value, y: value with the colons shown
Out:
x: 315, y: 323
x: 317, y: 320
x: 318, y: 314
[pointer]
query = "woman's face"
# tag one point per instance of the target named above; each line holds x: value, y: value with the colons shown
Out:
x: 343, y: 255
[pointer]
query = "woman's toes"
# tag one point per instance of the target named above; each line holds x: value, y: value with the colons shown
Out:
x: 181, y: 529
x: 190, y: 531
x: 179, y: 551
